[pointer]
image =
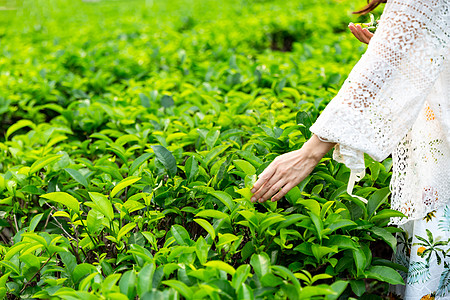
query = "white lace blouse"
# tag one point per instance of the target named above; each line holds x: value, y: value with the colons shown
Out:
x: 396, y: 101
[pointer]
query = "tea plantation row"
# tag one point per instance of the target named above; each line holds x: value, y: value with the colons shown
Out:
x: 132, y: 131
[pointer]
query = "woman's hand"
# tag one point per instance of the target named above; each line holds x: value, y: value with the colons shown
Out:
x: 362, y: 34
x: 288, y: 170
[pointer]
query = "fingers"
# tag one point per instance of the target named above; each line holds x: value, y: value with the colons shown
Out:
x: 264, y: 177
x: 283, y: 191
x: 367, y: 34
x: 271, y: 191
x: 269, y: 188
x: 284, y: 173
x: 362, y: 34
x: 355, y: 31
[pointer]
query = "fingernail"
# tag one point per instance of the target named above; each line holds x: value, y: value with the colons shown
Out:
x: 253, y: 199
x: 260, y: 200
x: 253, y: 190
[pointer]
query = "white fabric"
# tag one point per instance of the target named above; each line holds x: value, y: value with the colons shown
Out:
x: 421, y: 170
x: 405, y: 65
x: 355, y: 177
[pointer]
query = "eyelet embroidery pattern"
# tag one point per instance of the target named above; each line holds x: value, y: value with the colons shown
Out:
x: 420, y: 180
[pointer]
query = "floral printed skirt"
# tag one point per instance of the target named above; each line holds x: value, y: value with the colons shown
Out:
x: 424, y: 250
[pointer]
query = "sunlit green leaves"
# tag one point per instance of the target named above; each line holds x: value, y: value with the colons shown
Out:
x: 139, y: 161
x: 128, y: 156
x: 103, y: 204
x: 207, y: 226
x: 260, y: 264
x: 64, y: 198
x: 181, y: 235
x: 123, y: 184
x: 77, y: 176
x: 385, y: 274
x: 43, y: 162
x: 127, y: 284
x: 20, y: 124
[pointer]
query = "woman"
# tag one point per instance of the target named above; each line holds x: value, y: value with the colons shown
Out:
x: 396, y: 101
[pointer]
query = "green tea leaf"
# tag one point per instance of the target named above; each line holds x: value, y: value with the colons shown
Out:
x: 166, y: 158
x: 304, y: 119
x: 214, y: 153
x: 20, y: 124
x: 10, y: 266
x: 191, y: 167
x: 210, y: 213
x: 34, y: 222
x: 82, y: 270
x: 285, y: 272
x: 358, y: 287
x: 4, y: 279
x: 340, y: 224
x: 312, y: 205
x: 360, y: 260
x: 63, y: 198
x: 207, y: 226
x: 181, y: 235
x: 250, y: 216
x: 386, y: 214
x: 224, y: 198
x: 377, y: 199
x: 226, y: 238
x: 167, y: 101
x: 202, y: 249
x: 181, y: 288
x: 138, y: 162
x: 125, y: 229
x: 94, y: 221
x: 103, y: 204
x: 145, y: 278
x: 145, y: 101
x: 386, y: 274
x: 127, y: 284
x: 240, y: 276
x: 15, y: 249
x: 123, y: 184
x: 211, y: 138
x: 77, y: 176
x: 245, y: 292
x: 120, y: 152
x: 221, y: 266
x: 43, y: 162
x: 260, y: 263
x: 270, y: 280
x: 386, y: 236
x: 245, y: 166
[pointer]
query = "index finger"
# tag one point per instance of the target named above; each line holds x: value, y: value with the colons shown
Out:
x: 355, y: 31
x: 263, y: 178
x: 360, y: 34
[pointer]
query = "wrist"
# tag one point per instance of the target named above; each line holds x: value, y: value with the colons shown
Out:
x: 317, y: 148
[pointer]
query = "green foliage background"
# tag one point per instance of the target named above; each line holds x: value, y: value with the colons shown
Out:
x: 132, y: 131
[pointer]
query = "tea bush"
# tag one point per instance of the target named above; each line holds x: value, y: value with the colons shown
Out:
x: 132, y: 132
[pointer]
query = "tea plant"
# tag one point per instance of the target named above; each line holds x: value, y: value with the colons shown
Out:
x: 132, y: 133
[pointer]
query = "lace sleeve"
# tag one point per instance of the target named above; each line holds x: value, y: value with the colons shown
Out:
x: 386, y: 89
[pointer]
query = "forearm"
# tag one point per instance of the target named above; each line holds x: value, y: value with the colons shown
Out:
x: 317, y: 148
